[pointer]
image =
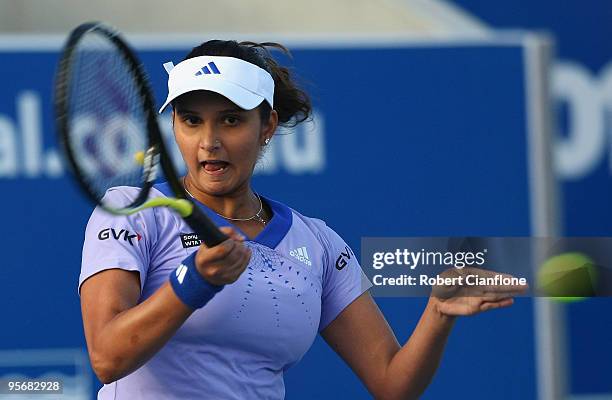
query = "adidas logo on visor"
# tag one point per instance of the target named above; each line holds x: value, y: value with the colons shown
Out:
x: 206, y: 71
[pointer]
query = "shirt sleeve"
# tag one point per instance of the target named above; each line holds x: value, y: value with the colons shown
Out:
x: 113, y: 241
x: 343, y: 278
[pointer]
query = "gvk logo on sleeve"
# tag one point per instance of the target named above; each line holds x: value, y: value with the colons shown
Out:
x: 121, y: 234
x: 344, y: 258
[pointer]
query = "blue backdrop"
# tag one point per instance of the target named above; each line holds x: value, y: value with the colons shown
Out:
x: 581, y: 30
x: 407, y: 141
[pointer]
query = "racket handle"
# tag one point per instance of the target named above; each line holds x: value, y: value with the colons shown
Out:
x: 206, y: 230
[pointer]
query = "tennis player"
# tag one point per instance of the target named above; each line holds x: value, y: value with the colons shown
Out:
x: 168, y: 318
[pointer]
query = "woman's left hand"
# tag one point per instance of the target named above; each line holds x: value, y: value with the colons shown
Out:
x: 463, y: 300
x: 470, y: 305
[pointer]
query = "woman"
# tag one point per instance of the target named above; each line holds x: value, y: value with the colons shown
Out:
x: 232, y: 318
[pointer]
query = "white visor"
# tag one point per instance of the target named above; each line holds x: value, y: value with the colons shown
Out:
x: 243, y: 83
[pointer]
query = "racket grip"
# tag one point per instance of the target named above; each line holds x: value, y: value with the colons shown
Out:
x: 206, y: 230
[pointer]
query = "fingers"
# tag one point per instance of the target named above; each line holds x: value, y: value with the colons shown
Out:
x: 466, y: 306
x: 224, y: 263
x: 477, y: 282
x: 232, y: 233
x: 486, y: 306
x: 495, y: 297
x: 224, y: 248
x: 509, y: 290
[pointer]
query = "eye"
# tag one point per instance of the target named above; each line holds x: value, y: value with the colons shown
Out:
x: 191, y: 120
x: 231, y: 120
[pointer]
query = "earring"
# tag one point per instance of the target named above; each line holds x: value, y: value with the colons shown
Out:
x: 266, y: 141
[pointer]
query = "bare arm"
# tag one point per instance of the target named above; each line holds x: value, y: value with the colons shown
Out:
x: 121, y: 334
x: 413, y: 367
x: 362, y: 337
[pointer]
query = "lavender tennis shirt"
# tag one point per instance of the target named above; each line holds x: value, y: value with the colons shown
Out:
x: 300, y: 277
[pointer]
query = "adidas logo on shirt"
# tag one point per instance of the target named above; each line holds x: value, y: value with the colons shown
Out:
x: 301, y: 254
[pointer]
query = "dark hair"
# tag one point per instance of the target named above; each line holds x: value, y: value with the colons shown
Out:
x: 290, y: 102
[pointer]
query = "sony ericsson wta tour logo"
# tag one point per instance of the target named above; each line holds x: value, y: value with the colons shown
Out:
x: 206, y: 71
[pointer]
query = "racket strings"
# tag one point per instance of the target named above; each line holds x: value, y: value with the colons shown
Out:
x: 106, y: 116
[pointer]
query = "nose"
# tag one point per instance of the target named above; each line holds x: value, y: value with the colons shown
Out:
x: 209, y: 140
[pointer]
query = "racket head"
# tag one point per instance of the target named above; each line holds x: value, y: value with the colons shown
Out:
x: 105, y: 116
x: 107, y: 126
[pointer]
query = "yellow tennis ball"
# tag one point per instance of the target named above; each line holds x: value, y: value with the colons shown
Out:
x: 567, y: 277
x: 139, y: 157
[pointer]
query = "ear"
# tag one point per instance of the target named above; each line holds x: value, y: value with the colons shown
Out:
x: 269, y: 128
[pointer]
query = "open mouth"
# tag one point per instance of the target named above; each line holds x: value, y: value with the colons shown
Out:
x: 214, y: 166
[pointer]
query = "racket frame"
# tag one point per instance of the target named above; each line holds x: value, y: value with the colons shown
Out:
x: 156, y: 151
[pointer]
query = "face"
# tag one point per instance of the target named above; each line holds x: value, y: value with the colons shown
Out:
x: 219, y: 141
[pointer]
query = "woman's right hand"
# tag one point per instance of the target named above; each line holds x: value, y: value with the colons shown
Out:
x: 225, y: 262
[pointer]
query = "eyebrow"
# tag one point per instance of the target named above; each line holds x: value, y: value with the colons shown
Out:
x: 184, y: 111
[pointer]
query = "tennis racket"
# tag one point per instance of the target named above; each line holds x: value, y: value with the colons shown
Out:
x: 108, y: 128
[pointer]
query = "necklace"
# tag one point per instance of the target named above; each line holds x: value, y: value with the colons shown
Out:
x: 256, y: 217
